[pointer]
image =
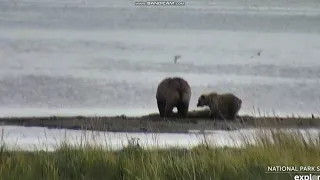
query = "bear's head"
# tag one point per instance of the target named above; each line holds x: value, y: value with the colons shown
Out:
x: 202, y: 100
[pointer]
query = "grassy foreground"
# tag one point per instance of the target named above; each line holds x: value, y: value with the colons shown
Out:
x: 133, y: 162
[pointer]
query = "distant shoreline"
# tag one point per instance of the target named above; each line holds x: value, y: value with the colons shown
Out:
x: 152, y: 123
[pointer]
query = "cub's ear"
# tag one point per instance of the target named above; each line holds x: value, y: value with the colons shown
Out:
x: 202, y: 96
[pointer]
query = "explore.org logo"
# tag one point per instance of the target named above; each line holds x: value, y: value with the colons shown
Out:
x: 159, y: 3
x: 299, y: 172
x: 306, y: 177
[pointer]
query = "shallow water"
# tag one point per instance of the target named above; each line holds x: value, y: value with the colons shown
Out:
x: 35, y: 138
x: 106, y: 58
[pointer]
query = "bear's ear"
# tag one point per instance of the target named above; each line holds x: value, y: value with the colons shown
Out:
x: 202, y: 96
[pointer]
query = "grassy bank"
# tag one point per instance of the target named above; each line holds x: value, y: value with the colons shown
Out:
x: 133, y: 162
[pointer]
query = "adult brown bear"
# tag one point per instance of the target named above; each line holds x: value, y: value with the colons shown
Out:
x: 173, y: 92
x: 223, y: 106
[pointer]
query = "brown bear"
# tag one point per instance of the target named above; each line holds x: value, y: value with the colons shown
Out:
x: 223, y: 106
x: 173, y: 92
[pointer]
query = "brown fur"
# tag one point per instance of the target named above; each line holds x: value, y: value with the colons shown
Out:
x: 223, y: 106
x: 173, y: 92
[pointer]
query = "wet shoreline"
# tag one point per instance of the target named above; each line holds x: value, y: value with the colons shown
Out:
x: 152, y: 123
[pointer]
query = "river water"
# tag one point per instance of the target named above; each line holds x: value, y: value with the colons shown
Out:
x: 36, y: 138
x: 106, y: 57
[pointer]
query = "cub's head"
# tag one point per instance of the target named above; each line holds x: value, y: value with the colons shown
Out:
x: 203, y: 100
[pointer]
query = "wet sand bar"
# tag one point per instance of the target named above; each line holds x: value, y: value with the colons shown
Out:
x: 152, y: 123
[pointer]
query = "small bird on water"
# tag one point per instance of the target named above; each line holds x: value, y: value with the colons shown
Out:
x: 176, y: 57
x: 259, y: 53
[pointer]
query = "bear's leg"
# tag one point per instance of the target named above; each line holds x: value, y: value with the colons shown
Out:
x: 183, y: 110
x: 232, y: 117
x: 161, y: 107
x: 211, y: 114
x: 222, y: 116
x: 214, y: 113
x: 233, y: 114
x: 219, y: 114
x: 168, y: 110
x: 233, y: 111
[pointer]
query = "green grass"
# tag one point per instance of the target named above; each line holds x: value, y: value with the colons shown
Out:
x: 136, y: 163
